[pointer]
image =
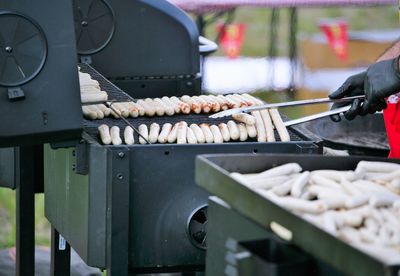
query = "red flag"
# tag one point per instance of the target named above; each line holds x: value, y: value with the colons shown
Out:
x: 336, y: 33
x: 231, y: 38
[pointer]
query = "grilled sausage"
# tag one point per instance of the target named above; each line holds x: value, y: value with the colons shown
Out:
x: 143, y: 130
x: 173, y: 133
x: 242, y: 132
x: 168, y: 102
x: 205, y: 106
x: 89, y: 113
x: 115, y: 136
x: 221, y: 101
x: 233, y: 130
x: 153, y: 133
x: 198, y: 133
x: 261, y: 135
x: 148, y: 109
x: 215, y: 106
x: 132, y: 109
x: 244, y: 118
x: 269, y: 128
x: 191, y: 138
x: 251, y: 130
x: 169, y: 109
x: 106, y: 111
x: 224, y: 132
x: 181, y: 133
x: 158, y: 108
x: 128, y: 136
x: 104, y: 132
x: 207, y: 133
x: 184, y: 107
x: 280, y: 127
x: 216, y: 134
x: 194, y: 106
x: 163, y: 137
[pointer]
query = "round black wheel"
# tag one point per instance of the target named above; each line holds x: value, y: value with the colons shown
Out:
x: 23, y: 49
x: 94, y: 25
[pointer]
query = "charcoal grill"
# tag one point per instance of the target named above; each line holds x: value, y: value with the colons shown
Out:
x: 212, y: 173
x: 147, y: 48
x: 144, y: 194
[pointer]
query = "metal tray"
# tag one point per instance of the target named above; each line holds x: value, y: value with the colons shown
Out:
x: 212, y: 173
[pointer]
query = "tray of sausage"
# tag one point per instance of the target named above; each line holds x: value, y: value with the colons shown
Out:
x: 343, y: 210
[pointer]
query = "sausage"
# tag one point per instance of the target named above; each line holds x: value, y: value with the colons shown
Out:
x: 139, y: 107
x: 244, y: 118
x: 115, y: 136
x: 128, y: 136
x: 286, y: 169
x: 181, y: 133
x: 207, y: 133
x: 373, y: 166
x: 163, y: 137
x: 198, y: 133
x: 104, y: 132
x: 100, y: 114
x: 121, y: 109
x: 153, y: 133
x: 148, y: 109
x: 280, y: 127
x: 133, y: 109
x: 190, y: 136
x: 216, y: 134
x: 169, y: 109
x: 89, y: 113
x: 283, y: 189
x: 143, y: 130
x: 222, y: 103
x: 269, y: 128
x: 248, y: 101
x: 168, y: 102
x: 233, y: 103
x: 94, y: 97
x: 261, y: 135
x: 215, y: 107
x: 243, y: 103
x: 173, y: 133
x: 224, y: 132
x: 251, y: 131
x: 233, y: 130
x: 227, y: 103
x: 205, y: 106
x: 184, y: 107
x: 194, y: 106
x: 106, y: 111
x: 242, y: 132
x: 158, y: 108
x: 299, y: 184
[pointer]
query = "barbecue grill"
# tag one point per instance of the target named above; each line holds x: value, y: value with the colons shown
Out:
x: 212, y: 173
x: 94, y: 192
x: 147, y: 48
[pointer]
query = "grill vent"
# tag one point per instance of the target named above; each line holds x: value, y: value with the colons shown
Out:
x: 197, y: 228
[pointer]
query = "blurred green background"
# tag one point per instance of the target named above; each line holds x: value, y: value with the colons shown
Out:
x: 255, y: 44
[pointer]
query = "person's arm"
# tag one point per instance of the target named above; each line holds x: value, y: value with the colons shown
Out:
x: 391, y: 53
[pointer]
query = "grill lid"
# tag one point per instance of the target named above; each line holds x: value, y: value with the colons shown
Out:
x: 39, y: 99
x: 94, y: 25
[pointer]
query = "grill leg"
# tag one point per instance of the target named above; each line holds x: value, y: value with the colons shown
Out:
x: 60, y: 255
x: 118, y: 219
x: 25, y: 211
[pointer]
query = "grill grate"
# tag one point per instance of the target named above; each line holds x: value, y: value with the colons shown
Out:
x: 115, y: 93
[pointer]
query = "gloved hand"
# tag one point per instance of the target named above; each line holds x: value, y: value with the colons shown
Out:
x: 381, y: 80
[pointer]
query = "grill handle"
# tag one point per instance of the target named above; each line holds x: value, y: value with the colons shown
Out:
x: 207, y: 46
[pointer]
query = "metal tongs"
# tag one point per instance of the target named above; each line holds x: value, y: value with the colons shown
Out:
x: 231, y: 112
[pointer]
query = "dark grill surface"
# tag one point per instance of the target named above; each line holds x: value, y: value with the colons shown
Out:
x: 115, y: 93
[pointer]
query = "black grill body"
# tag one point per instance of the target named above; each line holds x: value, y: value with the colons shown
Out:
x: 39, y: 91
x: 146, y: 47
x: 146, y: 192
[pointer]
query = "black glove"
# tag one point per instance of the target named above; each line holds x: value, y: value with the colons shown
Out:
x: 353, y: 86
x: 381, y: 80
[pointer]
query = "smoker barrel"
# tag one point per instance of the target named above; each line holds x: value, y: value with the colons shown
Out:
x: 361, y: 136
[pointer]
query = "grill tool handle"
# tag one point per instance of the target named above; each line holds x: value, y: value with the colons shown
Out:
x: 207, y: 46
x: 316, y: 116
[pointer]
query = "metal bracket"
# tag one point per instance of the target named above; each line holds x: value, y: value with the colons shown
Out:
x: 81, y: 154
x: 308, y: 149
